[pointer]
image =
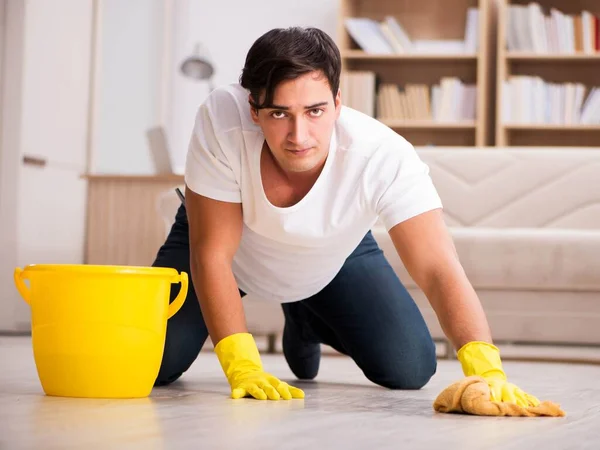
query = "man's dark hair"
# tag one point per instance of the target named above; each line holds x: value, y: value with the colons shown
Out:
x: 285, y: 54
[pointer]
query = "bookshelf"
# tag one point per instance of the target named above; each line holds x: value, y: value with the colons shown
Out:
x: 559, y: 57
x: 424, y: 21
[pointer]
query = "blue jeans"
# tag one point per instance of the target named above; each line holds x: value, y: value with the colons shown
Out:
x: 365, y: 313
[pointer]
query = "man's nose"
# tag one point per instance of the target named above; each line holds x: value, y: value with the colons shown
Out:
x: 299, y: 131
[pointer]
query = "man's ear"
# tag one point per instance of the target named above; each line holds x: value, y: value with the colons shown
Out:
x: 338, y: 103
x: 253, y: 110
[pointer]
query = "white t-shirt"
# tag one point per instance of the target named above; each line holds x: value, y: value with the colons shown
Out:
x: 289, y: 254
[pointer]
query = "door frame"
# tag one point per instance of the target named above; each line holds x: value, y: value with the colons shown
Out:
x: 13, y: 316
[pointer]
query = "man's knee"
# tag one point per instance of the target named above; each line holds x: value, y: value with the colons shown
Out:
x: 406, y: 371
x: 186, y: 334
x: 164, y: 378
x: 182, y: 346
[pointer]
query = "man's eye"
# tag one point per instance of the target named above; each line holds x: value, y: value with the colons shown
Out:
x: 316, y: 112
x: 277, y: 114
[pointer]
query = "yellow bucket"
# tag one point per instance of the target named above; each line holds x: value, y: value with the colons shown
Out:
x: 99, y: 331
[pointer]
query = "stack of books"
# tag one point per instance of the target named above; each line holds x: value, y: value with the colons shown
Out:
x: 450, y: 100
x: 389, y: 37
x: 532, y: 100
x: 530, y: 29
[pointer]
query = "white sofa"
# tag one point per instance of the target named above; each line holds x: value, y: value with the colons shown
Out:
x: 526, y: 224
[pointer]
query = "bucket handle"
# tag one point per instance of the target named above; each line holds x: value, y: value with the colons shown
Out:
x: 21, y: 286
x: 176, y: 304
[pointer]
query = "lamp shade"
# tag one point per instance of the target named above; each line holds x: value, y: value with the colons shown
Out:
x: 197, y: 67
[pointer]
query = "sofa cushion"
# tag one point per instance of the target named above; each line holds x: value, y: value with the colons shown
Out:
x: 512, y: 258
x: 531, y: 316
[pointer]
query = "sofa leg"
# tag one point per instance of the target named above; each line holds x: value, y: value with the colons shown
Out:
x: 272, y: 343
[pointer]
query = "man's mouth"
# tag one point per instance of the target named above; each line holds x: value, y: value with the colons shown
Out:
x: 300, y: 151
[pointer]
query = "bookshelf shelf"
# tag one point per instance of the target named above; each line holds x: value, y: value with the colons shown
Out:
x: 547, y: 73
x: 512, y: 56
x: 550, y: 127
x: 429, y: 125
x: 553, y: 137
x: 445, y: 89
x: 361, y: 55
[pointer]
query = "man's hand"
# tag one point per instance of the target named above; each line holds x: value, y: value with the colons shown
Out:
x: 262, y: 386
x: 241, y: 363
x: 483, y: 359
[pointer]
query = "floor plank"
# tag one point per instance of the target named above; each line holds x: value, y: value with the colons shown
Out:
x: 342, y: 409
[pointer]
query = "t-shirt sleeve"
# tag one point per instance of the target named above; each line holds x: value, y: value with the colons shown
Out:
x: 399, y: 183
x: 210, y: 165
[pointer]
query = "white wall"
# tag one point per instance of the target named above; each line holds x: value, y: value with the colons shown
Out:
x: 127, y: 85
x: 227, y: 28
x: 131, y: 75
x: 45, y: 100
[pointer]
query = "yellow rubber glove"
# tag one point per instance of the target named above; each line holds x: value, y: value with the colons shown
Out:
x: 241, y: 363
x: 483, y: 359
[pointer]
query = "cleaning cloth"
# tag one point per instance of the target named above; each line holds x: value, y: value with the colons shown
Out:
x: 471, y: 395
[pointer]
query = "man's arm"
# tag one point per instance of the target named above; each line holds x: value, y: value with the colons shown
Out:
x: 215, y: 233
x: 427, y: 250
x: 428, y: 253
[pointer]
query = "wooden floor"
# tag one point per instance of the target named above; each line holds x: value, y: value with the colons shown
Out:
x: 342, y: 410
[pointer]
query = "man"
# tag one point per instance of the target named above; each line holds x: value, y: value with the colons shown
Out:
x: 283, y: 185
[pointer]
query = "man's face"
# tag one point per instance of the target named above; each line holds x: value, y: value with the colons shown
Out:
x: 299, y: 126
